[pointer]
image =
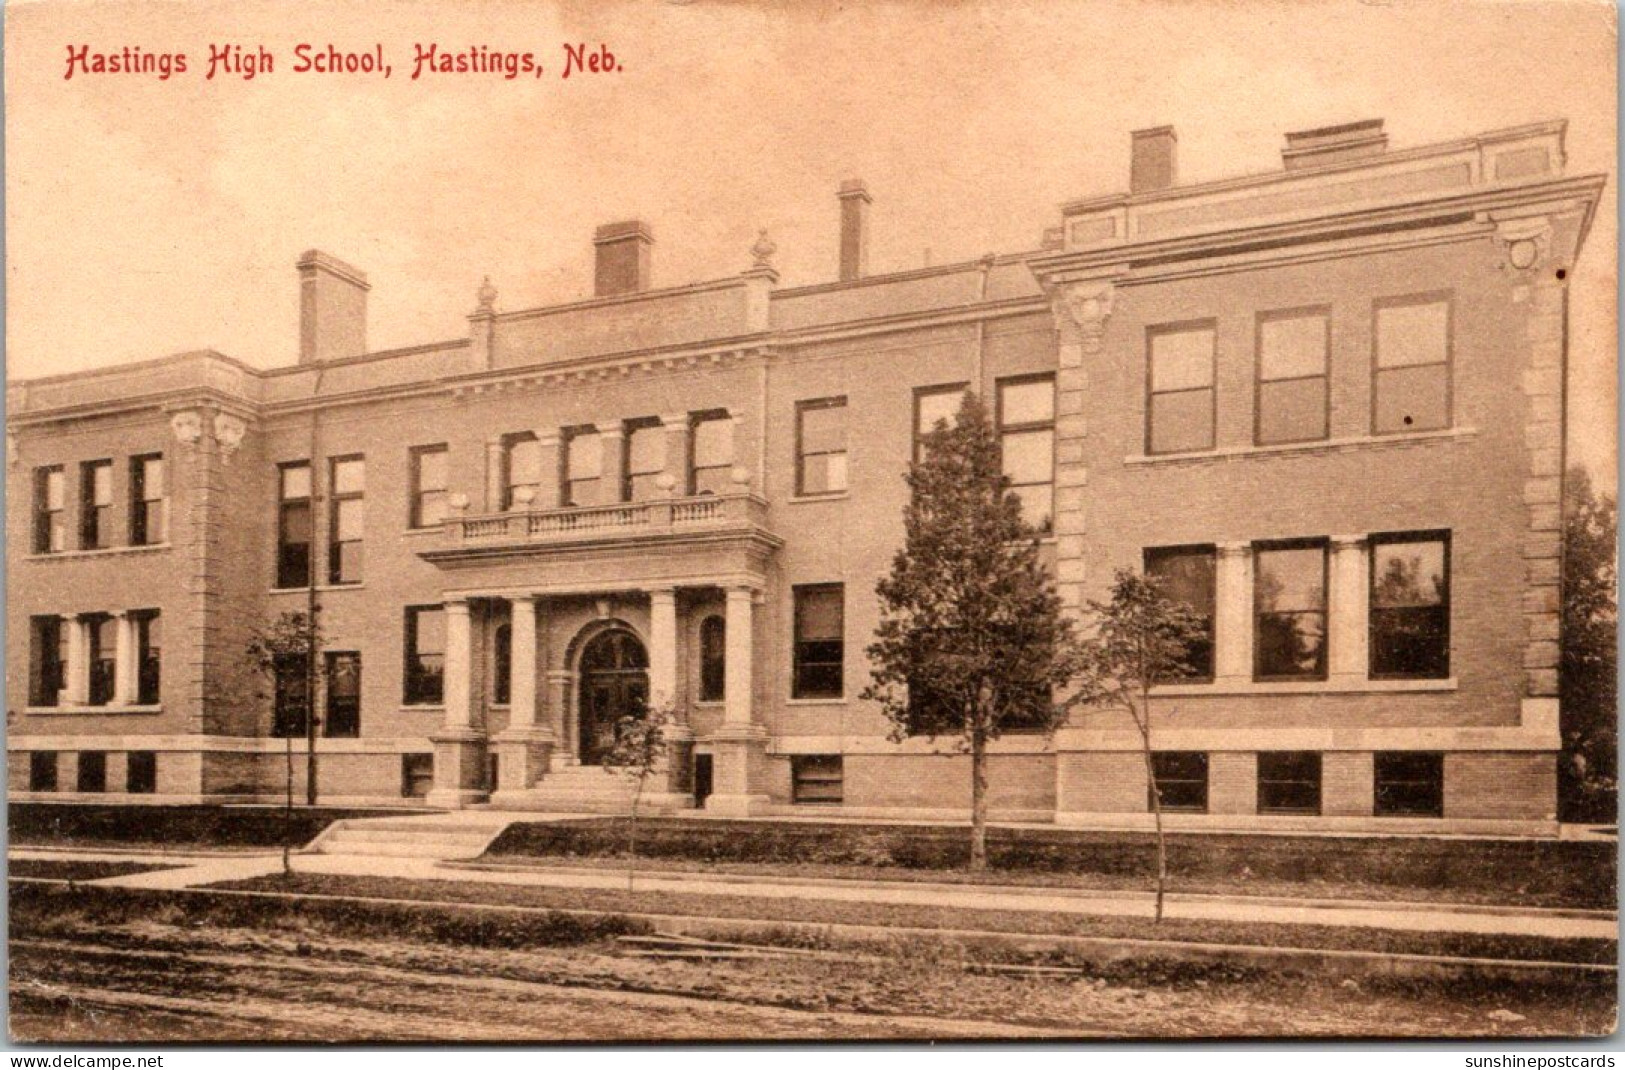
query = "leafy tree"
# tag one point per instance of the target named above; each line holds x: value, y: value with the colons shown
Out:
x: 638, y: 754
x: 971, y: 640
x: 1588, y: 673
x: 1140, y: 638
x: 284, y: 652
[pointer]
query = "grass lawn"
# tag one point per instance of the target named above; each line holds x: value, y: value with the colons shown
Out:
x: 67, y: 870
x: 77, y: 825
x: 1545, y: 873
x: 1026, y: 922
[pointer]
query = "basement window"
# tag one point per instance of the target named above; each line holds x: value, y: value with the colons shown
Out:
x: 817, y: 779
x: 1181, y: 780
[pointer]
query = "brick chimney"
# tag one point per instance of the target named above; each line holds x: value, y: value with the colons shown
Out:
x: 622, y: 265
x: 1329, y: 144
x: 855, y: 201
x: 332, y: 308
x: 1153, y: 160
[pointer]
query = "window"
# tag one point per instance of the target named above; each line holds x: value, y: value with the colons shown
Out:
x: 92, y: 771
x: 583, y: 466
x: 294, y: 527
x: 645, y: 461
x: 521, y: 471
x: 148, y: 647
x: 934, y: 405
x: 815, y: 779
x: 429, y: 486
x: 1410, y: 387
x: 95, y: 505
x: 821, y: 446
x: 1289, y: 782
x: 713, y: 659
x: 502, y: 663
x: 819, y: 647
x: 103, y: 658
x: 50, y: 510
x: 1026, y: 421
x: 343, y: 695
x: 42, y: 770
x: 1409, y: 784
x: 1181, y: 401
x: 292, y: 699
x: 1289, y: 606
x: 141, y: 772
x: 711, y: 447
x: 148, y: 515
x: 425, y: 655
x: 417, y: 775
x: 347, y: 520
x: 1181, y: 780
x: 1292, y: 399
x: 1410, y: 606
x: 48, y: 660
x: 1186, y: 576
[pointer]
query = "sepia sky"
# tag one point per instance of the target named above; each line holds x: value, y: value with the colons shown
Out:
x: 147, y: 216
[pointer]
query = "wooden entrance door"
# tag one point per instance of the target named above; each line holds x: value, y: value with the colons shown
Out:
x: 614, y: 684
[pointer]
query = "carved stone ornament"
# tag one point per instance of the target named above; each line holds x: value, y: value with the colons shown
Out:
x: 762, y: 252
x: 13, y: 451
x: 1524, y: 243
x: 1085, y: 307
x: 228, y: 431
x: 187, y: 426
x: 487, y: 296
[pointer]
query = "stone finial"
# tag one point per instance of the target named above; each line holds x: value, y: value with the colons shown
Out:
x: 762, y: 252
x: 487, y: 297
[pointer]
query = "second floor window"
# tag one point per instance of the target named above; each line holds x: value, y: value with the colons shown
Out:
x: 583, y: 467
x: 1410, y: 606
x: 1186, y: 576
x: 521, y: 471
x: 48, y: 657
x: 713, y: 659
x: 820, y: 641
x: 294, y: 528
x: 1180, y: 402
x: 148, y: 659
x: 645, y: 460
x: 148, y: 515
x: 347, y: 521
x: 103, y: 658
x: 343, y: 720
x: 425, y: 656
x: 1289, y: 592
x: 429, y: 486
x: 95, y: 505
x: 1027, y: 445
x: 50, y: 510
x: 1293, y: 348
x: 711, y: 454
x: 821, y: 446
x: 1410, y: 378
x: 934, y: 405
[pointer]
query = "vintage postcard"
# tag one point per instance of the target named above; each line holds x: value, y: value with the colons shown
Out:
x: 692, y: 521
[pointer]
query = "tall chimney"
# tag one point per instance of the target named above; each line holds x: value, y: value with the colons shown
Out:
x: 1328, y: 144
x: 623, y: 258
x: 855, y: 201
x: 332, y: 308
x: 1154, y: 162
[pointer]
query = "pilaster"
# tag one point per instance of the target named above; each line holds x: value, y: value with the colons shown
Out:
x: 1233, y: 598
x: 1349, y: 605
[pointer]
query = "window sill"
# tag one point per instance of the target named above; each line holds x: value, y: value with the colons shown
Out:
x: 1323, y: 445
x: 110, y: 551
x: 709, y: 703
x: 406, y: 708
x: 433, y: 529
x: 839, y: 700
x: 1303, y: 687
x: 94, y: 711
x: 321, y: 588
x: 832, y: 496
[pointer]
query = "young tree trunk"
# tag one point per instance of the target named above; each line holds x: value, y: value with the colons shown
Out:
x: 1142, y: 721
x: 287, y: 813
x: 978, y: 801
x: 632, y: 835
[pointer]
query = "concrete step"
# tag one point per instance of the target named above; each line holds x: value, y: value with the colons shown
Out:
x: 401, y: 850
x: 475, y: 838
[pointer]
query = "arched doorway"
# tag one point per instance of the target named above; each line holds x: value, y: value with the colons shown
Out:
x: 614, y: 670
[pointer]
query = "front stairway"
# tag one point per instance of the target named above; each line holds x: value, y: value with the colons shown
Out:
x: 591, y: 789
x: 440, y: 836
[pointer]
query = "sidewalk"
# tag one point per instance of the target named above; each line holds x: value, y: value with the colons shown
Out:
x: 1407, y: 917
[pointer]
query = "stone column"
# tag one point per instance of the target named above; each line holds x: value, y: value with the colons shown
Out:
x: 1348, y: 610
x: 77, y: 672
x: 662, y: 646
x: 611, y: 462
x: 1233, y: 641
x: 124, y: 668
x: 547, y: 470
x: 677, y: 432
x: 525, y: 748
x: 560, y: 685
x: 493, y: 473
x: 459, y: 751
x: 740, y: 744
